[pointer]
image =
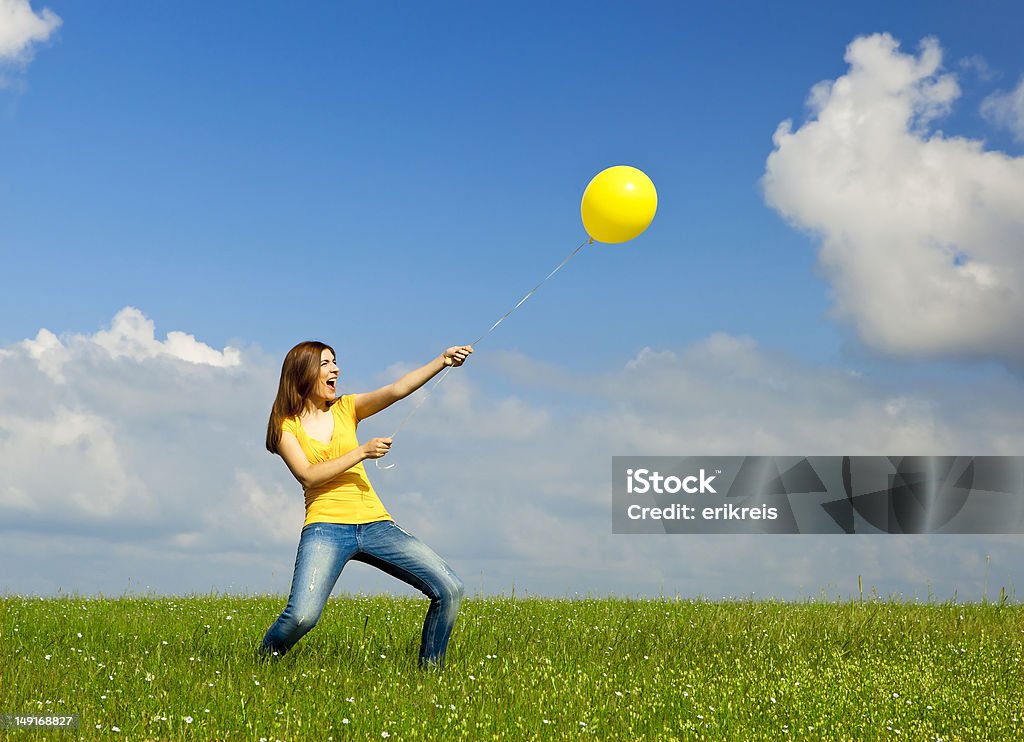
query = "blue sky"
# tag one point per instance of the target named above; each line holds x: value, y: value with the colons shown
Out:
x: 392, y: 177
x: 438, y: 152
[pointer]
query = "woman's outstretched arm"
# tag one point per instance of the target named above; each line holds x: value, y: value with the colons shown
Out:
x: 370, y: 403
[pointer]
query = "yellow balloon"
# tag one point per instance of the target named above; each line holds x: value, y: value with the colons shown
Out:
x: 618, y: 204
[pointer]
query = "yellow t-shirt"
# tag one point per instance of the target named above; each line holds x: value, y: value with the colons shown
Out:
x: 349, y: 497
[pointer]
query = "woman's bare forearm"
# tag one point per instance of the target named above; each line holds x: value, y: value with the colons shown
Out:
x: 325, y: 471
x: 370, y: 403
x: 415, y: 379
x: 317, y: 474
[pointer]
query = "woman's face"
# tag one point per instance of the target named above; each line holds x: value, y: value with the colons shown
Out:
x: 328, y: 379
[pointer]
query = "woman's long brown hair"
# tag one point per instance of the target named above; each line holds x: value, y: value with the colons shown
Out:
x: 299, y: 374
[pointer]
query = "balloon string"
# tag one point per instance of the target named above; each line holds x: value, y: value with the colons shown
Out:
x: 533, y: 291
x: 501, y: 319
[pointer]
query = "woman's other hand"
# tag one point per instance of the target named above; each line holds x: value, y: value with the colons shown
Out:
x: 377, y: 447
x: 457, y: 355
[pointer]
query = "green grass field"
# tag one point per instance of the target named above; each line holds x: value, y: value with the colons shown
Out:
x: 185, y: 668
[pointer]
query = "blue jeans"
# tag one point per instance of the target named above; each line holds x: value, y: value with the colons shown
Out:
x: 325, y: 548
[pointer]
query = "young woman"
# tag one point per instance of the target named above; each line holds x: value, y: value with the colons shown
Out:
x: 315, y: 433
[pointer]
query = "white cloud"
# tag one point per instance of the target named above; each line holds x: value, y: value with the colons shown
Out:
x: 49, y: 353
x: 1007, y: 110
x: 21, y: 29
x: 252, y: 509
x: 920, y: 232
x: 117, y: 427
x: 132, y: 335
x: 149, y: 467
x: 979, y: 66
x: 55, y: 464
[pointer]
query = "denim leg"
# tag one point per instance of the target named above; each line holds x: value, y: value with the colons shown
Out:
x: 388, y: 547
x: 324, y: 548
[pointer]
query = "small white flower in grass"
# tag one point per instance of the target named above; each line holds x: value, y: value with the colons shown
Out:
x: 188, y: 719
x: 351, y: 700
x: 115, y: 729
x: 385, y: 735
x: 79, y: 634
x: 471, y: 677
x: 164, y: 643
x: 773, y: 700
x: 229, y: 617
x: 344, y: 721
x: 48, y: 656
x: 257, y: 682
x: 895, y: 695
x: 618, y: 693
x: 547, y: 721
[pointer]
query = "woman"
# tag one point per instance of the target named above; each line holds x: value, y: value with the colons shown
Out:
x: 315, y: 433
